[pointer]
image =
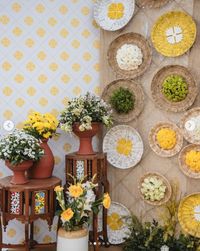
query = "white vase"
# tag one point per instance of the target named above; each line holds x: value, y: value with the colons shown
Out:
x: 72, y: 240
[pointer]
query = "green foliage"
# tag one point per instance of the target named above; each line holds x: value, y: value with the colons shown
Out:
x: 122, y: 100
x: 175, y: 88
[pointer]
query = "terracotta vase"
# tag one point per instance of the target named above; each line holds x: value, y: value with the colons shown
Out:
x: 72, y: 240
x: 43, y: 168
x: 85, y: 137
x: 19, y: 171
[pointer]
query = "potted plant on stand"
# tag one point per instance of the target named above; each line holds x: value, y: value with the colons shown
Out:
x: 20, y: 150
x: 84, y: 116
x: 77, y: 205
x: 42, y: 127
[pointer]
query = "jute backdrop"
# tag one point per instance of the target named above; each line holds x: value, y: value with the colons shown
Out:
x: 124, y: 183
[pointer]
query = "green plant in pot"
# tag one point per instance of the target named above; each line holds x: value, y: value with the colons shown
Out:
x: 20, y: 150
x: 122, y: 100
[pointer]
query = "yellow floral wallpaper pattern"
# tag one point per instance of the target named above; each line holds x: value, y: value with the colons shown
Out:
x: 49, y: 52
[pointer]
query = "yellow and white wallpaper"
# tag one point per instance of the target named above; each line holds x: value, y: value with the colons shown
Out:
x: 49, y: 52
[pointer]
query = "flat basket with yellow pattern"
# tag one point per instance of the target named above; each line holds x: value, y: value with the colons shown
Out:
x: 189, y: 214
x: 174, y: 33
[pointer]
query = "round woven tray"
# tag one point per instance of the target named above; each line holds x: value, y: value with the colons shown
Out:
x: 174, y: 33
x: 168, y: 192
x: 154, y: 144
x: 136, y: 89
x: 188, y: 214
x: 184, y: 168
x: 156, y: 88
x: 130, y: 38
x: 191, y: 135
x: 152, y: 3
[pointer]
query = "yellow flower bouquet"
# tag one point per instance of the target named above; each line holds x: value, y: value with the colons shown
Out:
x: 78, y: 202
x: 41, y: 126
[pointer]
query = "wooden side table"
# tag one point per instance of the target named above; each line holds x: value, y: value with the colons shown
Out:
x: 89, y: 165
x: 27, y: 203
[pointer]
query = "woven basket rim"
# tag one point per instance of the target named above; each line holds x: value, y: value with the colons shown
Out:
x: 182, y: 165
x: 187, y: 136
x: 180, y: 216
x: 166, y: 182
x: 152, y: 3
x: 154, y: 146
x: 156, y: 85
x: 130, y: 38
x: 132, y: 86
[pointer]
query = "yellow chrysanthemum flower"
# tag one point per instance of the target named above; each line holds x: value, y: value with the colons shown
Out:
x: 106, y: 201
x: 114, y: 221
x: 192, y: 160
x: 67, y: 214
x: 116, y: 10
x: 58, y: 189
x: 166, y: 138
x: 75, y: 190
x: 124, y: 146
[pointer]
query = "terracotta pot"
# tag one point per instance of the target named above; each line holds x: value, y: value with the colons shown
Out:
x: 19, y: 176
x: 73, y: 240
x: 85, y: 137
x: 43, y: 168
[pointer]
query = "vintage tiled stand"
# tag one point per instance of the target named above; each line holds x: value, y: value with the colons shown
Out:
x: 27, y: 203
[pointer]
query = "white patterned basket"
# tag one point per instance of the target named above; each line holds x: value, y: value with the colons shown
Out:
x: 101, y: 14
x: 124, y: 146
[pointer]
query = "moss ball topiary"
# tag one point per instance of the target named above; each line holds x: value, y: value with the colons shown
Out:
x: 122, y: 100
x: 175, y: 88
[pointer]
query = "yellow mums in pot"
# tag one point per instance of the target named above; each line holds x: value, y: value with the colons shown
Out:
x: 41, y: 126
x: 166, y: 138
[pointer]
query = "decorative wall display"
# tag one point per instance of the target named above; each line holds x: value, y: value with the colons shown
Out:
x: 189, y: 214
x: 189, y: 161
x: 15, y: 203
x: 151, y: 3
x: 164, y: 88
x: 137, y: 95
x: 190, y: 125
x: 155, y: 189
x: 174, y: 33
x: 165, y: 139
x: 124, y: 146
x: 40, y: 202
x: 129, y: 55
x: 113, y: 15
x: 117, y: 223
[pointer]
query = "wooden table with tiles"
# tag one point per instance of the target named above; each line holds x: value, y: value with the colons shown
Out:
x: 27, y: 203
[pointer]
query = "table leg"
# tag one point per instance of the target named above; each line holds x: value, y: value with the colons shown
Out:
x: 27, y: 221
x: 95, y: 233
x: 1, y: 237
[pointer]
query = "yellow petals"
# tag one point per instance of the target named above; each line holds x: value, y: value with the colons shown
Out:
x: 75, y: 190
x: 166, y: 138
x: 106, y: 201
x: 115, y: 222
x: 124, y: 146
x: 67, y: 214
x: 115, y: 10
x: 192, y: 160
x: 58, y: 189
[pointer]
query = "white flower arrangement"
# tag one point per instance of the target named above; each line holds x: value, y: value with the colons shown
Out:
x: 18, y: 146
x: 129, y: 57
x: 85, y: 110
x: 153, y: 189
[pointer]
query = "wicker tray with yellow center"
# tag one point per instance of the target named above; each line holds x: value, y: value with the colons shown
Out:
x: 189, y: 161
x: 116, y: 10
x: 165, y: 139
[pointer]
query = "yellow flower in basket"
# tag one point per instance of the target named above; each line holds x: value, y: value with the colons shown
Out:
x: 166, y: 138
x: 116, y: 10
x: 67, y: 214
x: 75, y: 190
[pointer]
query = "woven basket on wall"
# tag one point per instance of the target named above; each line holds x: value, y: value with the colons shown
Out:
x: 156, y: 88
x: 168, y: 191
x: 152, y: 3
x: 154, y: 144
x: 130, y: 38
x: 138, y: 93
x: 192, y: 136
x: 184, y: 168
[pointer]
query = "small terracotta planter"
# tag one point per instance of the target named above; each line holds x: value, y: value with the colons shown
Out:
x: 85, y: 137
x: 72, y: 240
x: 19, y: 175
x: 43, y: 168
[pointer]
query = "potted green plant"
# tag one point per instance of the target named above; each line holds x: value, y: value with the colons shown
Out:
x: 84, y: 116
x: 77, y: 205
x: 42, y: 127
x: 19, y: 150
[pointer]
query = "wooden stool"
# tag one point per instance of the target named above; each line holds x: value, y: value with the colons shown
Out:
x: 35, y: 200
x: 89, y: 165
